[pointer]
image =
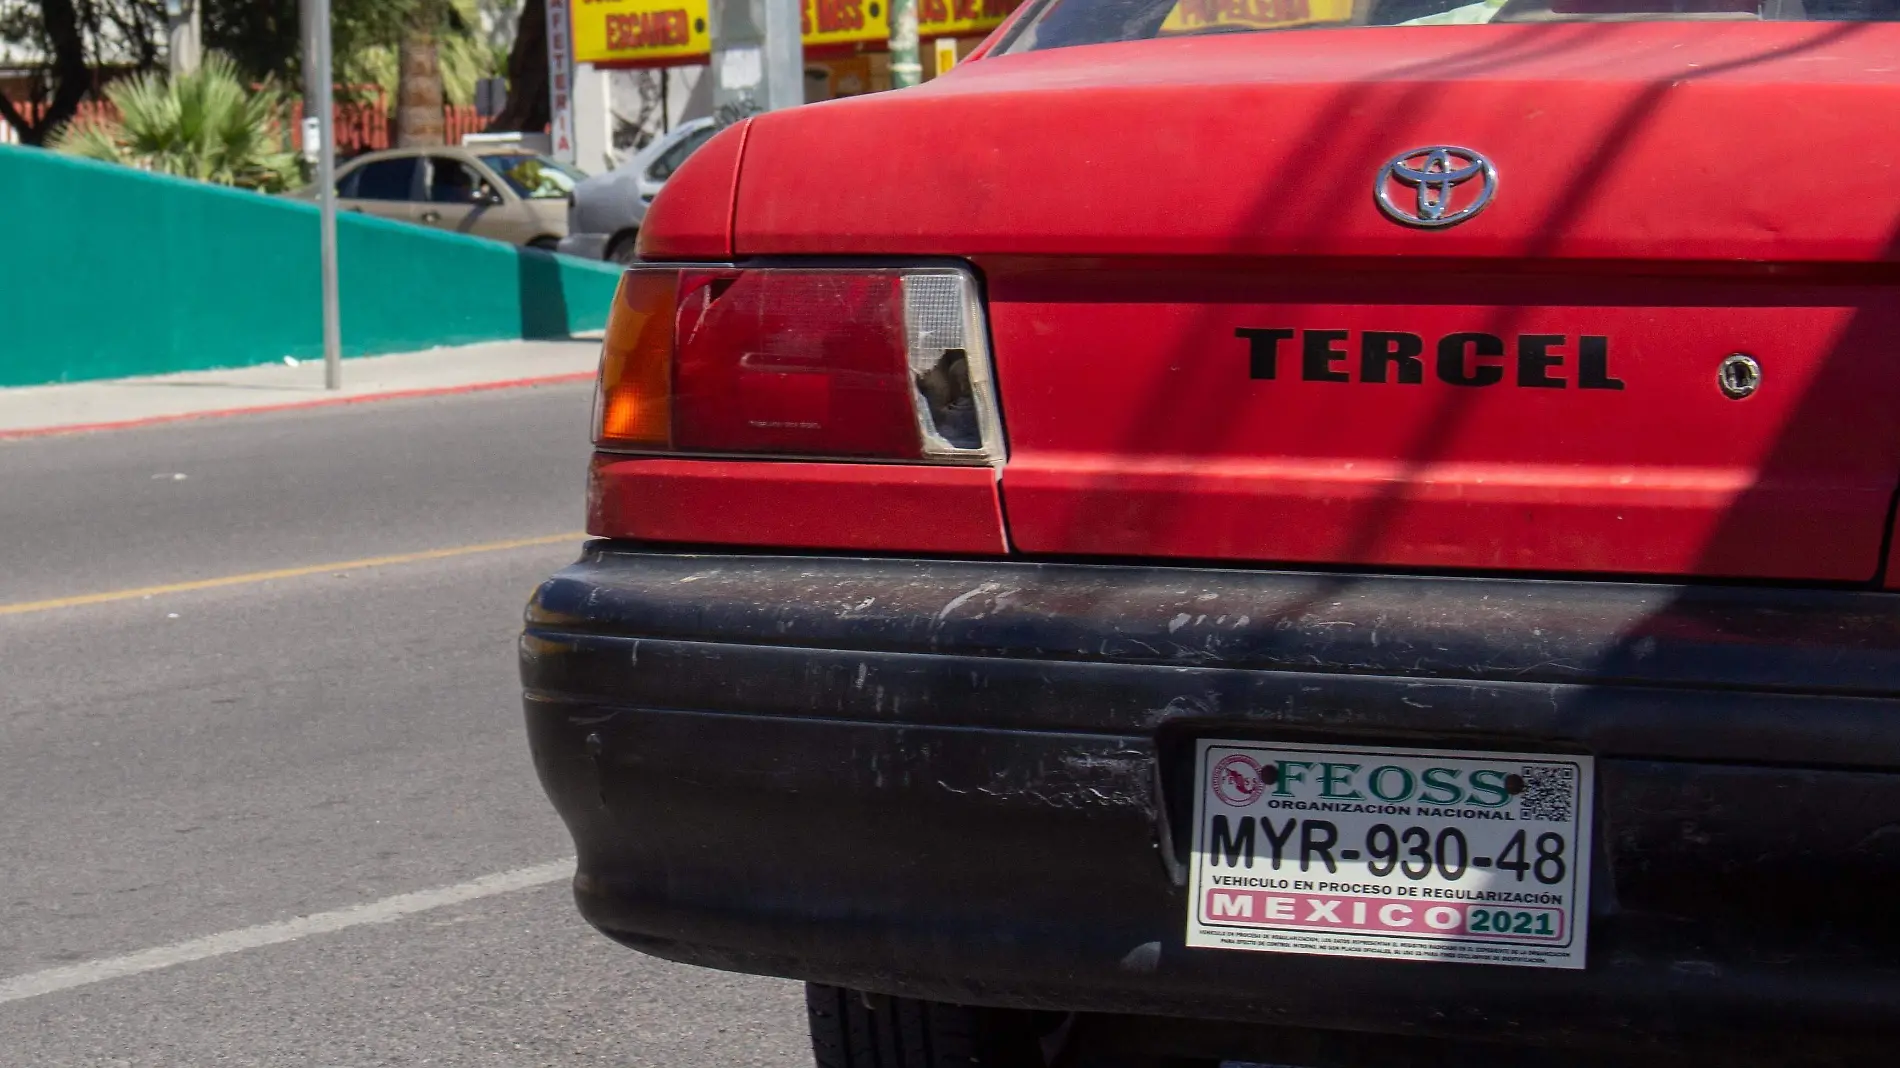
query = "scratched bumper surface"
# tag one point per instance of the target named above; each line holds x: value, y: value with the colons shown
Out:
x: 966, y: 780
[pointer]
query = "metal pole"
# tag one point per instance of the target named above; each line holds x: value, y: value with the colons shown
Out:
x: 906, y: 68
x: 184, y: 35
x: 311, y: 76
x: 758, y: 57
x: 326, y: 196
x: 784, y: 54
x: 738, y: 59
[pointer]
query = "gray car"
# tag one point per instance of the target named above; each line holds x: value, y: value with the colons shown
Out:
x: 605, y: 211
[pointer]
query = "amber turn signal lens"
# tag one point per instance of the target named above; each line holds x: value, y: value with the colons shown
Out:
x: 634, y: 405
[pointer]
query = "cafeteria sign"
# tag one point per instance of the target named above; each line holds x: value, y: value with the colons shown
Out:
x: 1189, y: 16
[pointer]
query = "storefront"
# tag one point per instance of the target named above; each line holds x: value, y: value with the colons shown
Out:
x: 847, y: 42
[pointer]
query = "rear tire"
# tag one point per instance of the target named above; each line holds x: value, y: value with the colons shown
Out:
x: 854, y: 1030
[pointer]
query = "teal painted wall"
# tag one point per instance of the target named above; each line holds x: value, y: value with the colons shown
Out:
x: 109, y: 272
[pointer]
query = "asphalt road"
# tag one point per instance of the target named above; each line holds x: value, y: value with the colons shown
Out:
x: 179, y: 769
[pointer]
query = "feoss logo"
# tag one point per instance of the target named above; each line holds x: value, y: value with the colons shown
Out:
x: 1326, y: 780
x: 1237, y: 780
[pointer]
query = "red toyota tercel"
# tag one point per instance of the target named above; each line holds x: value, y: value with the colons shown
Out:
x: 1366, y: 545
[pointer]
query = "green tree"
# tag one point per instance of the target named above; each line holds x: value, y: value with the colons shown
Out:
x: 211, y: 125
x: 264, y: 36
x: 78, y: 40
x: 55, y: 29
x: 528, y: 107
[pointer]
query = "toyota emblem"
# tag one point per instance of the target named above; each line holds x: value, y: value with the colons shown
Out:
x: 1436, y: 186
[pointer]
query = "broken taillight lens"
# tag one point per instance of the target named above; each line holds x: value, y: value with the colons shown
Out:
x: 872, y: 364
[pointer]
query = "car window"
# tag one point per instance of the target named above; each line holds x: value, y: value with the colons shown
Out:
x: 452, y: 182
x: 534, y: 177
x: 1059, y: 23
x: 385, y: 179
x: 661, y: 169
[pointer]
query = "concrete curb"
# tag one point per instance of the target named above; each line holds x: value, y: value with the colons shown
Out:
x: 320, y: 402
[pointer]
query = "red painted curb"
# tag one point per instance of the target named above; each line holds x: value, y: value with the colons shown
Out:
x: 321, y: 402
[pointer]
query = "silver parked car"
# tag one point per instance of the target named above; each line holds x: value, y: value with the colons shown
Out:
x: 605, y: 211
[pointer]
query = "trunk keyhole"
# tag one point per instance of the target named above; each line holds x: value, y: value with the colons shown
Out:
x: 1739, y: 375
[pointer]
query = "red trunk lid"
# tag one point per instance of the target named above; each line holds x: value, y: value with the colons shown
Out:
x: 1212, y: 344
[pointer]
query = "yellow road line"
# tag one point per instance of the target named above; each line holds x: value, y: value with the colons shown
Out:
x: 25, y: 607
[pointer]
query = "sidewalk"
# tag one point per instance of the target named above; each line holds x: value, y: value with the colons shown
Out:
x: 31, y: 411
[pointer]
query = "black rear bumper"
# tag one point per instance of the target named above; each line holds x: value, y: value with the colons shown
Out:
x: 964, y: 781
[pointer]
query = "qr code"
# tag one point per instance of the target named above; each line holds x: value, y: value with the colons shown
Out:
x: 1548, y: 791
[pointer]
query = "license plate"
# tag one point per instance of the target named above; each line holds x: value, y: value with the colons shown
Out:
x: 1443, y: 855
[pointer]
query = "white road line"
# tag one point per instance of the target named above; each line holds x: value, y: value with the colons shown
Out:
x: 53, y: 980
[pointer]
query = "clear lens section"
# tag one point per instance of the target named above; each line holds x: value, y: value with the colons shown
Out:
x: 950, y: 366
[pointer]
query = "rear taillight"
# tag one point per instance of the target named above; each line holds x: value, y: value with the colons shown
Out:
x: 839, y: 363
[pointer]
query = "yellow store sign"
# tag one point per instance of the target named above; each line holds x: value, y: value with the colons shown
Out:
x: 1191, y: 15
x: 833, y: 22
x: 622, y: 31
x: 961, y: 18
x: 635, y: 32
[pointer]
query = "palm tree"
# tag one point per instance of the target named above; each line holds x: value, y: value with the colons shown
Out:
x: 527, y: 106
x: 207, y: 125
x: 419, y: 118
